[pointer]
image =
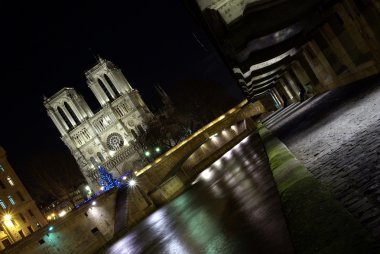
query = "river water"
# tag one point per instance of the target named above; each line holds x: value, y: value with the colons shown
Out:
x: 233, y: 207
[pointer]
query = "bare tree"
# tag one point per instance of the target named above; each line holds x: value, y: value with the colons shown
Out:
x: 53, y: 176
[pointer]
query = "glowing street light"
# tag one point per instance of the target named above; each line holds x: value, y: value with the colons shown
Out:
x: 124, y: 178
x: 132, y: 183
x: 93, y: 203
x: 157, y: 149
x: 51, y: 228
x: 62, y: 213
x: 7, y: 217
x: 147, y: 153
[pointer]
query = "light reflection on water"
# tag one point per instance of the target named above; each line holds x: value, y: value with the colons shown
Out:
x: 231, y: 208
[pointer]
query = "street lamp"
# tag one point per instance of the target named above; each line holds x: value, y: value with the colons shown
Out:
x: 7, y: 221
x: 147, y: 153
x: 132, y: 183
x: 157, y: 149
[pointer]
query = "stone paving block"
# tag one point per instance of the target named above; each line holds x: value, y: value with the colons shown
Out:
x: 346, y: 143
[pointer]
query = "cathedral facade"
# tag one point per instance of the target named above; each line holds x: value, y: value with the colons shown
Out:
x: 107, y: 137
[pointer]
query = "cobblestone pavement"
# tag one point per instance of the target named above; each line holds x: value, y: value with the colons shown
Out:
x: 337, y: 137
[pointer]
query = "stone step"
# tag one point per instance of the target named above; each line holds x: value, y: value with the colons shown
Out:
x: 279, y: 113
x: 281, y: 117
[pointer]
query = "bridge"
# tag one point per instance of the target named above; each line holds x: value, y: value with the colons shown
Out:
x: 169, y: 175
x: 114, y: 212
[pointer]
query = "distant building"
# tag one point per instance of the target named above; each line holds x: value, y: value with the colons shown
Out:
x: 20, y: 216
x: 106, y: 137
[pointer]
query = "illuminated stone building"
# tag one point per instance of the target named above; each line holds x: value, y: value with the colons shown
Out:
x: 19, y: 215
x: 106, y: 137
x: 282, y: 52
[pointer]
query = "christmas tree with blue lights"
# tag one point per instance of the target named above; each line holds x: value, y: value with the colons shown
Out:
x: 106, y: 179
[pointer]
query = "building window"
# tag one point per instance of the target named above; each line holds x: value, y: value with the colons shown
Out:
x: 20, y: 196
x: 100, y: 156
x: 2, y: 168
x: 21, y: 234
x: 6, y: 243
x: 11, y: 200
x: 30, y: 213
x: 22, y: 217
x: 30, y: 229
x: 2, y: 184
x: 10, y: 181
x: 2, y: 204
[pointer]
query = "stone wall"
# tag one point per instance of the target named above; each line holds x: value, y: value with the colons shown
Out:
x: 82, y: 231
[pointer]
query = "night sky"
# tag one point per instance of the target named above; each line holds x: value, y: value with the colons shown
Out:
x: 48, y: 46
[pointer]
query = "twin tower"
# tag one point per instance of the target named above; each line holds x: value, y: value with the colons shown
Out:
x: 105, y: 137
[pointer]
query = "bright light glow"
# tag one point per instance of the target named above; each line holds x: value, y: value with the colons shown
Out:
x: 157, y: 149
x: 49, y: 217
x: 51, y: 228
x: 147, y: 153
x: 87, y: 188
x: 102, y: 188
x: 7, y: 217
x: 132, y: 183
x: 62, y: 213
x: 124, y: 178
x: 214, y: 135
x: 93, y: 203
x: 207, y: 174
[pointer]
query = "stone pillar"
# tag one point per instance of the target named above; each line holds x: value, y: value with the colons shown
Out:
x: 75, y: 109
x: 305, y: 65
x: 359, y: 25
x: 109, y: 89
x: 63, y: 122
x: 95, y: 89
x: 73, y: 123
x: 287, y: 91
x: 319, y: 65
x: 292, y: 85
x: 332, y: 38
x: 281, y: 92
x: 56, y: 121
x: 276, y: 98
x: 352, y: 27
x: 302, y: 77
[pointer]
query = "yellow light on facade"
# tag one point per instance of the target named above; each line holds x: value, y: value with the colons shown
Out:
x: 49, y: 217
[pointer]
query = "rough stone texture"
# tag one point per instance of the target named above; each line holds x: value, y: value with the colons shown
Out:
x: 337, y: 137
x: 316, y: 221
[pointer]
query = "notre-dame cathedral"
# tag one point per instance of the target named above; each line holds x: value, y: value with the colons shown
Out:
x: 106, y: 137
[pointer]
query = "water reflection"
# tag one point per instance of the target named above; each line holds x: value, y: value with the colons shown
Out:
x: 232, y: 207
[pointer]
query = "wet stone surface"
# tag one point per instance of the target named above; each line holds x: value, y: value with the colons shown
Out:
x: 233, y: 207
x: 337, y: 137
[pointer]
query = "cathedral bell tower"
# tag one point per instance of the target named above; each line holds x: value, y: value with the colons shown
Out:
x: 107, y: 137
x: 106, y: 81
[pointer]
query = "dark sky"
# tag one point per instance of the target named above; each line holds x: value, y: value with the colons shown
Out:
x: 46, y: 46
